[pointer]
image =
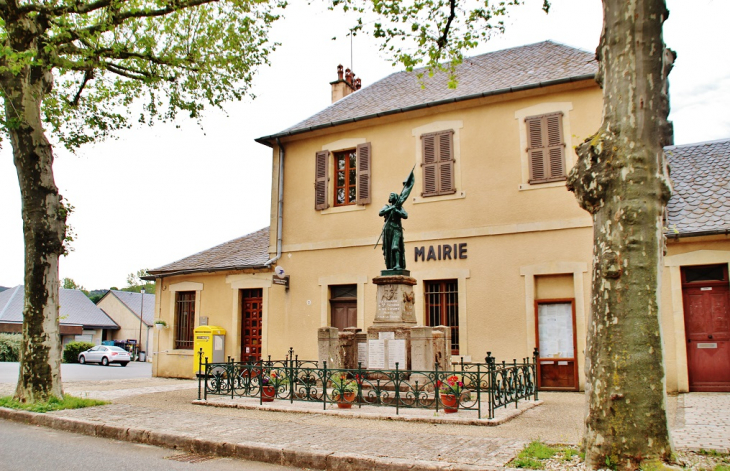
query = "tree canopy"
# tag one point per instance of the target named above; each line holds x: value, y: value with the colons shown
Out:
x: 170, y: 56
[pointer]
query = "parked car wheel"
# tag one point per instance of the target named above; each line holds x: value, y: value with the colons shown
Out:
x: 105, y: 361
x: 124, y: 363
x: 82, y: 359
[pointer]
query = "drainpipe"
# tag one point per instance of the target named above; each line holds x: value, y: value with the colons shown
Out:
x: 280, y: 211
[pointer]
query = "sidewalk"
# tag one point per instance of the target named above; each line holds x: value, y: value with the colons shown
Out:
x: 161, y: 412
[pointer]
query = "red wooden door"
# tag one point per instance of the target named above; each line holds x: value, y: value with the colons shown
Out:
x: 251, y: 313
x: 707, y: 328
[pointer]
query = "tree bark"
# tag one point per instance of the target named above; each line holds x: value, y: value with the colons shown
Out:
x: 621, y: 178
x: 44, y: 215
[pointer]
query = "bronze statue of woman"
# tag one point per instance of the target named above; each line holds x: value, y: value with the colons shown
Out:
x: 393, y: 242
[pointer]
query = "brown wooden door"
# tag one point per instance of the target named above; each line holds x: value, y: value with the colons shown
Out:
x: 344, y: 314
x: 251, y: 313
x: 707, y: 329
x: 556, y: 342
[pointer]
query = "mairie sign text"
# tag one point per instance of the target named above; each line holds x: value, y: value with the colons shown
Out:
x: 441, y: 252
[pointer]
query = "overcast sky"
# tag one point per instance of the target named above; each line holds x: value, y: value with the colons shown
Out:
x: 159, y: 194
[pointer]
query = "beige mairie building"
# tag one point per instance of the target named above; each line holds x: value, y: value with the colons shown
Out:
x: 500, y: 249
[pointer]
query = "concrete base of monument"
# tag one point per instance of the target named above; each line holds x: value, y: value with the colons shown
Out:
x: 463, y: 417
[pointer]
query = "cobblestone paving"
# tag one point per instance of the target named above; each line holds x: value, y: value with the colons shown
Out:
x: 703, y: 422
x: 347, y: 437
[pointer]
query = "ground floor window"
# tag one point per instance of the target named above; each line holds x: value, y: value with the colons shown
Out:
x: 556, y: 342
x: 343, y: 306
x: 184, y: 319
x: 442, y: 307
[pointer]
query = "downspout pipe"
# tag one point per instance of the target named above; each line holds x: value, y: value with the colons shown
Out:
x: 280, y: 210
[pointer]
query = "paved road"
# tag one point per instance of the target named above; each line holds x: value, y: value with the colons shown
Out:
x: 74, y: 372
x: 29, y: 448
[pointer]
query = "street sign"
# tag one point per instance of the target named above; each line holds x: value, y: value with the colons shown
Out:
x: 284, y: 281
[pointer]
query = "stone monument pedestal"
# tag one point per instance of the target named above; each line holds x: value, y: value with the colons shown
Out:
x: 389, y: 338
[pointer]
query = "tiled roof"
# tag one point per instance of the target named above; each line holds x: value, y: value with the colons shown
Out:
x: 701, y: 179
x: 133, y: 301
x: 497, y: 72
x: 76, y: 309
x: 249, y: 251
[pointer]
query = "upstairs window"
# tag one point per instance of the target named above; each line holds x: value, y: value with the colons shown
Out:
x: 438, y: 163
x: 352, y: 177
x: 546, y: 148
x: 345, y: 177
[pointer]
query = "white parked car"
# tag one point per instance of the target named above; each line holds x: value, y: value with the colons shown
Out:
x: 105, y: 355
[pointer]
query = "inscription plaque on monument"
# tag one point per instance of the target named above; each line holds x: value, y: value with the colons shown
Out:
x: 396, y: 354
x: 376, y: 354
x: 362, y: 354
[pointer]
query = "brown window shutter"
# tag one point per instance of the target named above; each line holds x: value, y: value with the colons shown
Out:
x: 364, y: 159
x: 556, y: 147
x: 546, y: 149
x: 321, y: 180
x: 446, y: 163
x: 429, y: 165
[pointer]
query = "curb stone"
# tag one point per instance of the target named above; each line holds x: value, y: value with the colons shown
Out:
x: 514, y: 413
x: 286, y: 456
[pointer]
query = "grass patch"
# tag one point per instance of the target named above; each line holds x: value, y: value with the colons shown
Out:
x: 722, y: 467
x: 54, y: 403
x: 532, y: 455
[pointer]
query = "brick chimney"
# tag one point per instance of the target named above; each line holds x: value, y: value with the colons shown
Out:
x: 345, y: 84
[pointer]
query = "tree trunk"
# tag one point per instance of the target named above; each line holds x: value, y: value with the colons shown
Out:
x: 621, y: 178
x: 44, y: 224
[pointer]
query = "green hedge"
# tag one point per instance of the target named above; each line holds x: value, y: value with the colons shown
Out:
x: 72, y: 349
x: 10, y: 347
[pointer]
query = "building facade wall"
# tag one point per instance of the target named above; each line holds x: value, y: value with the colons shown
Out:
x: 522, y: 243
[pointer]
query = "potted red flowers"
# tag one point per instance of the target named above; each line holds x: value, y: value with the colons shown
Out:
x: 451, y: 392
x: 344, y: 390
x: 270, y: 384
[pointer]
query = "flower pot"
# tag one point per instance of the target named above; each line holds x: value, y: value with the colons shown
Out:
x: 268, y: 393
x: 450, y: 402
x: 346, y: 401
x: 160, y: 326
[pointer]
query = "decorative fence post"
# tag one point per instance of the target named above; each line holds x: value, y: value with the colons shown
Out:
x: 492, y: 376
x: 436, y: 389
x: 535, y: 355
x: 397, y: 389
x: 359, y: 380
x: 291, y: 375
x: 200, y: 368
x: 479, y: 392
x: 324, y: 385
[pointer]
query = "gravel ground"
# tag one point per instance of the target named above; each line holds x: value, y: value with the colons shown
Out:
x: 686, y: 460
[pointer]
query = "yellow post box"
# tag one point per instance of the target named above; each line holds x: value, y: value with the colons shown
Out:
x: 211, y: 339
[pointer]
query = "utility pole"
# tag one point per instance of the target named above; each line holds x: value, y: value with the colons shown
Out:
x: 141, y: 313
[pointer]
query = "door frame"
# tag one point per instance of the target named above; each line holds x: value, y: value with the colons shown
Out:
x: 575, y: 344
x: 694, y: 285
x: 242, y: 325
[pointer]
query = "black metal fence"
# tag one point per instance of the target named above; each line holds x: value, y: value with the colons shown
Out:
x: 482, y: 387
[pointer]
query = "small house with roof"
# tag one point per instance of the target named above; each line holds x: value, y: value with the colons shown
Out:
x: 500, y: 249
x: 79, y: 318
x: 134, y: 314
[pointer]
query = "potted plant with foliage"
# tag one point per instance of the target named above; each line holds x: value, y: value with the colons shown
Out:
x: 344, y: 390
x: 452, y: 392
x: 160, y: 324
x: 270, y: 383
